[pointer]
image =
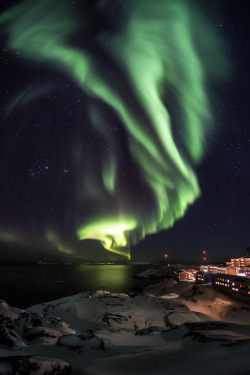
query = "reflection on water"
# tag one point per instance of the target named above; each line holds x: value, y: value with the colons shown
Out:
x: 115, y: 278
x: 23, y: 285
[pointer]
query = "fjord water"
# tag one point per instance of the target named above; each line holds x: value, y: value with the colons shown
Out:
x: 23, y: 284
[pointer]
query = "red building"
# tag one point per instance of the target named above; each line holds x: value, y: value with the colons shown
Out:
x: 188, y: 275
x: 240, y: 262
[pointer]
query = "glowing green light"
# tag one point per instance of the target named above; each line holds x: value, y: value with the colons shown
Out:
x: 156, y: 53
x: 8, y: 237
x: 113, y: 234
x: 57, y: 243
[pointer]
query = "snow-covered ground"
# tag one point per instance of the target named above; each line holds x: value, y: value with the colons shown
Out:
x: 172, y: 328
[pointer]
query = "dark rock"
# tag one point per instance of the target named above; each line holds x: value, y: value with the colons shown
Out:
x: 71, y: 341
x: 31, y: 334
x: 36, y: 322
x: 33, y: 365
x: 109, y: 318
x: 8, y: 337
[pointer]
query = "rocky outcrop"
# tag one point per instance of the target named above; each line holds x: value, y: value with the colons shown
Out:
x: 165, y: 271
x: 33, y: 365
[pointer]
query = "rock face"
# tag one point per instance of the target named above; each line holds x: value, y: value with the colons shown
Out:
x: 228, y: 333
x: 175, y: 319
x: 171, y: 286
x: 9, y: 338
x: 157, y: 273
x: 33, y: 365
x: 42, y: 328
x: 104, y: 333
x: 165, y: 271
x: 18, y: 331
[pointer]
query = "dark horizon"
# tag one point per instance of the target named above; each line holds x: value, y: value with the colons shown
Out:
x: 16, y: 254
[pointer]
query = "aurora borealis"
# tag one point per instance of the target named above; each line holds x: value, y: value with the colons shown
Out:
x: 114, y: 107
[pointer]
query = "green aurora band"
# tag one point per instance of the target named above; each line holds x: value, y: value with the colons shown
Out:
x: 153, y: 63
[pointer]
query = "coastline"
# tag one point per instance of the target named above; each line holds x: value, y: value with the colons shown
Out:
x: 154, y: 332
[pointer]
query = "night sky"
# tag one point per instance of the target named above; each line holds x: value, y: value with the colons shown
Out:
x: 127, y: 123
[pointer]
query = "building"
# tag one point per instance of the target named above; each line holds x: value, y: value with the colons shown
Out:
x: 222, y: 282
x: 233, y: 285
x: 229, y: 270
x: 232, y: 270
x: 204, y: 268
x: 247, y: 271
x: 204, y: 277
x: 239, y: 262
x: 188, y: 275
x: 242, y: 261
x: 213, y: 268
